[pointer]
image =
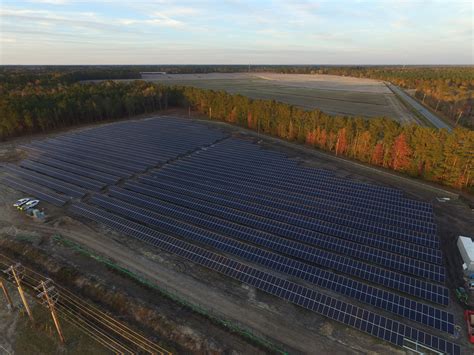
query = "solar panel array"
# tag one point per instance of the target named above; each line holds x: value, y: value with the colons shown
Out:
x: 256, y: 216
x: 91, y: 159
x: 382, y: 327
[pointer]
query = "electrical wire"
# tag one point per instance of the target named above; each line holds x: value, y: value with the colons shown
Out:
x: 91, y: 311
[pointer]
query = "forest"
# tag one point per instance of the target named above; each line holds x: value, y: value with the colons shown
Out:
x: 40, y: 103
x: 446, y: 90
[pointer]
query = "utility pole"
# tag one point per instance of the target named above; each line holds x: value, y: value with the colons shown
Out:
x: 49, y: 295
x: 16, y: 272
x: 457, y: 121
x: 6, y: 294
x: 210, y: 112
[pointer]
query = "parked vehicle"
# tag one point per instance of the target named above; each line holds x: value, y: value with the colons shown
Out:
x: 469, y: 317
x: 21, y: 202
x: 29, y: 204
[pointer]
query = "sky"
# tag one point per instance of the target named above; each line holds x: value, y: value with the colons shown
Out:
x: 236, y: 32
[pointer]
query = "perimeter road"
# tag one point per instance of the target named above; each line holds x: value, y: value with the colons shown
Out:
x: 436, y: 121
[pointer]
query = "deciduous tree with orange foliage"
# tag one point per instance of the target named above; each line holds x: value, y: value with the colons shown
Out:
x: 401, y: 153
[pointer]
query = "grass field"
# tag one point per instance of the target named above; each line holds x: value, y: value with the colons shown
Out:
x: 331, y: 94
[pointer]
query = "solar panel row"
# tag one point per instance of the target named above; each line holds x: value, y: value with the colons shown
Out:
x: 220, y: 224
x: 110, y: 146
x: 310, y: 236
x: 351, y: 315
x: 327, y: 223
x: 402, y: 306
x: 277, y: 200
x: 79, y: 170
x: 324, y: 193
x: 310, y: 185
x: 35, y: 190
x: 143, y: 153
x: 63, y: 175
x: 229, y: 162
x: 258, y: 162
x: 88, y: 156
x: 36, y: 153
x: 279, y: 225
x: 311, y: 208
x: 242, y: 156
x: 381, y: 243
x: 364, y: 210
x: 121, y: 152
x: 47, y: 181
x: 122, y: 161
x: 349, y: 266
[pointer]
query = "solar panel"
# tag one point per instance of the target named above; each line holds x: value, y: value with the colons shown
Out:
x: 79, y: 161
x: 79, y: 170
x: 328, y: 222
x: 367, y: 207
x: 399, y: 305
x: 96, y: 157
x: 62, y: 175
x: 393, y: 245
x: 36, y: 191
x: 118, y: 160
x: 43, y: 180
x: 283, y: 177
x: 328, y: 306
x: 255, y: 217
x: 335, y: 193
x: 240, y: 158
x: 403, y: 283
x: 343, y: 246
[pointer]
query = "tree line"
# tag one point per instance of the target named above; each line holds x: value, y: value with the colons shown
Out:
x: 446, y: 90
x: 430, y: 154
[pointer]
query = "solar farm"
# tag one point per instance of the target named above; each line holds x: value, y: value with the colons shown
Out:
x: 360, y: 254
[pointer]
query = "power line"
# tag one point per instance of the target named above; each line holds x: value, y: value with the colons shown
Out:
x: 114, y: 334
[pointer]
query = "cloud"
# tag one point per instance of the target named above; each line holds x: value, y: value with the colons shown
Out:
x: 7, y: 39
x: 63, y: 20
x: 51, y: 2
x: 373, y: 29
x: 161, y: 19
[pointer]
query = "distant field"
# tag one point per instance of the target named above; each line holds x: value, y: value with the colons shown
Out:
x: 329, y: 93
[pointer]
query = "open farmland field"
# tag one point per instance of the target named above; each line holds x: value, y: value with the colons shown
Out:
x: 329, y: 93
x: 311, y: 253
